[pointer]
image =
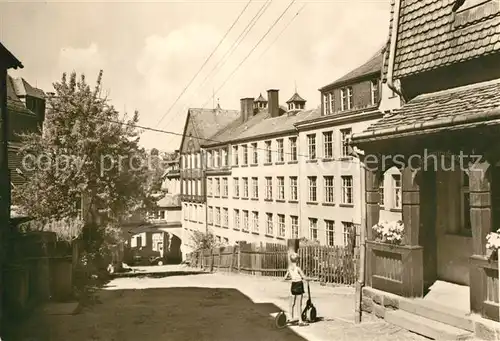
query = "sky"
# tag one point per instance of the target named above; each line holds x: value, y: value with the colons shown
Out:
x: 150, y: 51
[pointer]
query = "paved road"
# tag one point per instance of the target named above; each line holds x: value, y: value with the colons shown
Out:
x: 205, y: 307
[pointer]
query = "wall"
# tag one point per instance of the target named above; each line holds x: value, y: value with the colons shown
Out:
x: 337, y: 167
x: 286, y: 207
x: 361, y: 95
x: 389, y: 99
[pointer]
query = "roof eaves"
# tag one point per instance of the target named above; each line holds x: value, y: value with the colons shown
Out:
x: 10, y: 61
x: 349, y: 81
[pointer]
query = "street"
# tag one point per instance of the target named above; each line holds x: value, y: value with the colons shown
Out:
x: 183, y: 306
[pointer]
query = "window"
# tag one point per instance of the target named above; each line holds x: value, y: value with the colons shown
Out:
x: 245, y: 187
x: 330, y: 232
x: 226, y: 240
x: 269, y: 226
x: 329, y: 189
x: 465, y: 205
x: 236, y: 217
x: 224, y: 157
x: 281, y: 226
x: 346, y: 97
x: 217, y: 216
x: 245, y: 154
x: 217, y: 187
x: 295, y: 227
x: 293, y: 148
x: 374, y: 88
x: 255, y: 159
x: 186, y: 212
x: 209, y: 187
x: 328, y: 144
x: 235, y: 156
x: 344, y: 137
x: 210, y: 215
x: 326, y: 106
x: 311, y: 143
x: 236, y: 189
x: 268, y: 152
x: 246, y: 226
x: 255, y: 188
x: 269, y: 188
x: 225, y: 217
x: 348, y: 231
x: 281, y: 153
x: 209, y: 159
x: 349, y: 99
x: 381, y: 190
x: 313, y: 228
x: 281, y: 188
x: 255, y: 222
x: 347, y: 190
x: 396, y: 187
x: 216, y: 159
x: 225, y: 187
x: 293, y: 188
x: 332, y: 102
x: 312, y: 188
x: 198, y: 187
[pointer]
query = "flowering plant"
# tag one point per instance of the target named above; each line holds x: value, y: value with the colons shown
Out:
x: 389, y: 232
x: 493, y: 240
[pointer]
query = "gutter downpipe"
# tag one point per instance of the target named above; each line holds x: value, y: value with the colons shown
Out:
x: 362, y: 248
x: 392, y: 49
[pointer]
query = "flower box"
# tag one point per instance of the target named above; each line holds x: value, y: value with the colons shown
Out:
x: 389, y: 232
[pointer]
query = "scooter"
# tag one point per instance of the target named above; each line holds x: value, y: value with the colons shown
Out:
x: 309, y: 313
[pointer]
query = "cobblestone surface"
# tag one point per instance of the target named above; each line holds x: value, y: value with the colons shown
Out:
x: 207, y: 307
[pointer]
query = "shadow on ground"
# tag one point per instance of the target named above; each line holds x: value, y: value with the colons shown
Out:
x: 162, y: 314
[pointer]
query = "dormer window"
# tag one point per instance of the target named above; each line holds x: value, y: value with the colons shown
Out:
x: 346, y: 96
x: 374, y: 91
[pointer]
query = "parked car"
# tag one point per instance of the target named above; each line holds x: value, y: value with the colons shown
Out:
x: 156, y: 260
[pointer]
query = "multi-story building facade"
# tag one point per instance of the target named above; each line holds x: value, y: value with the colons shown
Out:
x: 332, y: 193
x: 253, y: 194
x: 200, y: 126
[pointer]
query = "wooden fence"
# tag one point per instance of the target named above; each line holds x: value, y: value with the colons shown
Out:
x: 326, y: 264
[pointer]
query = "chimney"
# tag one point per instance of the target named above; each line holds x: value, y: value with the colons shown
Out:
x: 273, y: 102
x: 246, y: 108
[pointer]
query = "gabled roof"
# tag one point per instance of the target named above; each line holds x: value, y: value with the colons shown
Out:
x: 296, y: 98
x: 8, y: 59
x: 261, y: 99
x: 370, y: 67
x: 464, y: 106
x: 261, y: 125
x: 23, y: 88
x: 209, y: 121
x: 431, y: 35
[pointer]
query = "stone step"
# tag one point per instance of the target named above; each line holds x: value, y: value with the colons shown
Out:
x: 437, y: 312
x: 426, y: 327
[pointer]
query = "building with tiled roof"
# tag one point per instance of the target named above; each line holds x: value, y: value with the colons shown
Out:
x: 26, y: 108
x: 200, y: 127
x: 296, y: 102
x: 443, y: 59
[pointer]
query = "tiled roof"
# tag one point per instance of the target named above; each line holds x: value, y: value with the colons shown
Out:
x: 8, y: 58
x: 445, y: 109
x: 208, y: 122
x: 169, y: 200
x: 23, y: 88
x: 373, y: 65
x: 261, y: 99
x: 430, y: 35
x: 13, y: 101
x: 296, y: 98
x: 262, y: 124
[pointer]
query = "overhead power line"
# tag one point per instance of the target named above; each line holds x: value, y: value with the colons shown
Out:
x: 253, y: 49
x: 206, y: 61
x: 230, y: 51
x: 282, y: 31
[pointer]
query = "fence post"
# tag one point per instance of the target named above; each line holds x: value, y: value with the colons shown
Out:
x: 211, y: 260
x: 239, y: 258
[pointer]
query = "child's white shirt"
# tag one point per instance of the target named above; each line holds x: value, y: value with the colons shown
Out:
x: 294, y: 272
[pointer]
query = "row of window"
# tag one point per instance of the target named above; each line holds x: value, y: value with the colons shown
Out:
x: 214, y: 188
x: 247, y: 221
x: 244, y: 155
x: 194, y: 213
x: 346, y: 98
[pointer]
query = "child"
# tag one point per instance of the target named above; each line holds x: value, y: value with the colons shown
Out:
x: 297, y: 288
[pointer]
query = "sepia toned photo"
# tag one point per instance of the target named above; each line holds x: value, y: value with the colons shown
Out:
x: 300, y: 170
